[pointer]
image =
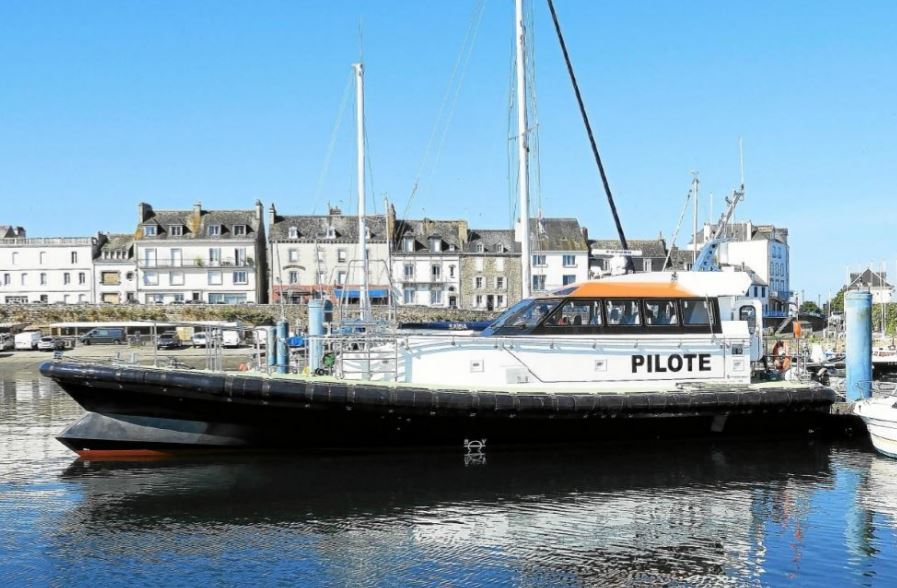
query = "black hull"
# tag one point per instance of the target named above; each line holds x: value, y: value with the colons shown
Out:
x: 132, y: 408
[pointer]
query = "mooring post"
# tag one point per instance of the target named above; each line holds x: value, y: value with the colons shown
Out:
x: 283, y: 358
x: 271, y: 348
x: 858, y: 314
x: 315, y: 332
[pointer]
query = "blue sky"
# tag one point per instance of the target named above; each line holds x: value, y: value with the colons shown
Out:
x: 105, y: 104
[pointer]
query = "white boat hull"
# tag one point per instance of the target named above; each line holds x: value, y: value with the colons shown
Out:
x: 880, y: 416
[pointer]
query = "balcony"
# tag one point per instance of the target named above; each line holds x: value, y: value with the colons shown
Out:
x: 49, y: 241
x: 226, y: 262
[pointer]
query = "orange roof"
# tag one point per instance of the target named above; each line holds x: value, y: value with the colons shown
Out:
x: 611, y: 289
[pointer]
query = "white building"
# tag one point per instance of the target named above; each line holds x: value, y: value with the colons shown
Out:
x: 426, y: 261
x: 47, y: 269
x: 319, y: 254
x: 560, y: 253
x: 764, y: 250
x: 875, y: 282
x: 115, y: 270
x: 214, y: 256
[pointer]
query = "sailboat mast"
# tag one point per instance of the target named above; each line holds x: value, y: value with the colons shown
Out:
x: 522, y: 155
x: 362, y: 227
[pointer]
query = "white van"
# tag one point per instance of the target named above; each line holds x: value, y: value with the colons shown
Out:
x: 260, y: 335
x: 28, y: 340
x: 230, y: 338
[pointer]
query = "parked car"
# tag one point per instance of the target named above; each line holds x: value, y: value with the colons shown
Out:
x: 6, y: 342
x: 104, y: 335
x: 168, y: 340
x: 49, y: 343
x: 200, y: 340
x: 28, y: 340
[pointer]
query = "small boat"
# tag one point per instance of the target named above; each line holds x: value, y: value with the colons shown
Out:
x: 880, y: 416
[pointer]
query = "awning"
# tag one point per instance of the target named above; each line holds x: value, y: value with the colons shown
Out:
x: 376, y: 293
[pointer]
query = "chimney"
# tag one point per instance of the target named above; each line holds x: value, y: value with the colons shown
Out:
x: 144, y: 211
x: 272, y: 215
x: 585, y: 233
x: 197, y: 208
x: 259, y: 209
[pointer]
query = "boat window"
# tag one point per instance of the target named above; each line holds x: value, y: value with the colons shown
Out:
x: 576, y: 313
x: 623, y: 312
x: 661, y: 312
x: 532, y: 315
x: 506, y: 315
x: 749, y: 315
x: 696, y: 312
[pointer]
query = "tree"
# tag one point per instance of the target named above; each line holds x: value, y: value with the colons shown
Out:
x: 809, y: 306
x: 836, y: 304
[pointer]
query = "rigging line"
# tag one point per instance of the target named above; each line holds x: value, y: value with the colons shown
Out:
x: 676, y: 231
x: 370, y: 168
x: 332, y: 144
x: 442, y: 119
x: 531, y: 67
x: 585, y: 119
x: 511, y: 151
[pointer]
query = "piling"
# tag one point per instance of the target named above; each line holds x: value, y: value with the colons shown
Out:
x: 271, y: 347
x: 283, y: 358
x: 858, y: 315
x: 315, y: 332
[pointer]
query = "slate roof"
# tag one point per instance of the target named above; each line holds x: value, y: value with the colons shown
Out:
x: 314, y: 228
x: 11, y: 232
x: 557, y: 234
x: 121, y: 243
x: 449, y: 231
x: 493, y: 241
x: 648, y: 247
x: 226, y: 219
x: 870, y: 279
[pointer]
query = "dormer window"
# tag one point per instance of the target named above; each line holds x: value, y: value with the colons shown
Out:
x: 239, y: 230
x: 408, y: 244
x: 435, y: 244
x: 500, y: 248
x: 480, y: 248
x: 367, y: 233
x: 149, y: 230
x: 294, y: 233
x: 331, y: 233
x: 175, y: 230
x: 213, y: 230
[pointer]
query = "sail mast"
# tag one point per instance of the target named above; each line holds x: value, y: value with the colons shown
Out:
x: 522, y: 155
x: 362, y: 227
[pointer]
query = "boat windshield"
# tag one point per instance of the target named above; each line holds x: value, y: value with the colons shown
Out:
x: 522, y: 317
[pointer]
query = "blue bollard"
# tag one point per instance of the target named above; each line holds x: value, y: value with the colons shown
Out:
x: 858, y: 315
x: 283, y: 357
x: 271, y: 344
x: 315, y: 332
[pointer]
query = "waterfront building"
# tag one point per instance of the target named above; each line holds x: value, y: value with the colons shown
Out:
x: 763, y: 249
x: 115, y: 270
x: 490, y: 270
x: 309, y: 254
x: 559, y: 253
x: 606, y: 256
x: 876, y: 282
x: 426, y: 260
x: 197, y: 255
x: 47, y: 269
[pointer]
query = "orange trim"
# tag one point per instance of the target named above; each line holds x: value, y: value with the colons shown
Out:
x: 630, y: 290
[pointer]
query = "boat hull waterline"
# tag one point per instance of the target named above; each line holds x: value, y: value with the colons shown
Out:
x: 154, y: 410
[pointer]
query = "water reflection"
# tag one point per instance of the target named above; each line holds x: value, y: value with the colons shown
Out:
x: 683, y: 513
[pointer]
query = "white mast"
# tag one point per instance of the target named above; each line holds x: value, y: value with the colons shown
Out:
x: 694, y: 225
x: 522, y: 156
x: 362, y: 226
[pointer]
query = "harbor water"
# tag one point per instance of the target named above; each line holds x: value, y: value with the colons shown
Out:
x: 771, y: 512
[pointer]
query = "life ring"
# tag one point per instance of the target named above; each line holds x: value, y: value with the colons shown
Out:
x: 243, y: 367
x: 780, y: 358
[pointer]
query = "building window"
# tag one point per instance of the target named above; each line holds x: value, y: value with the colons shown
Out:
x: 149, y: 230
x: 294, y: 233
x: 214, y: 256
x: 44, y: 298
x: 436, y: 272
x: 539, y: 261
x: 150, y: 278
x: 478, y: 301
x: 478, y: 282
x: 213, y: 230
x: 15, y: 257
x: 649, y: 266
x: 215, y: 278
x: 499, y: 283
x: 435, y: 244
x: 239, y: 230
x: 240, y: 256
x: 408, y: 244
x: 480, y: 248
x: 538, y: 283
x: 175, y: 230
x: 451, y: 271
x: 499, y: 301
x: 43, y: 257
x: 74, y: 257
x: 408, y: 271
x: 436, y: 296
x: 241, y: 278
x: 176, y: 278
x: 179, y: 298
x: 341, y: 278
x: 331, y: 233
x: 341, y: 255
x: 320, y: 255
x: 568, y: 279
x: 6, y: 279
x: 66, y: 278
x: 293, y: 277
x: 293, y: 255
x: 569, y: 261
x: 408, y: 295
x: 43, y: 279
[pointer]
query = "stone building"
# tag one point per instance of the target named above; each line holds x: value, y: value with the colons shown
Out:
x: 559, y: 253
x: 115, y: 270
x: 426, y: 260
x: 490, y: 270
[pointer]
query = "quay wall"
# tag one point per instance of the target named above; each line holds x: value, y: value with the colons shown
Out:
x: 255, y: 314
